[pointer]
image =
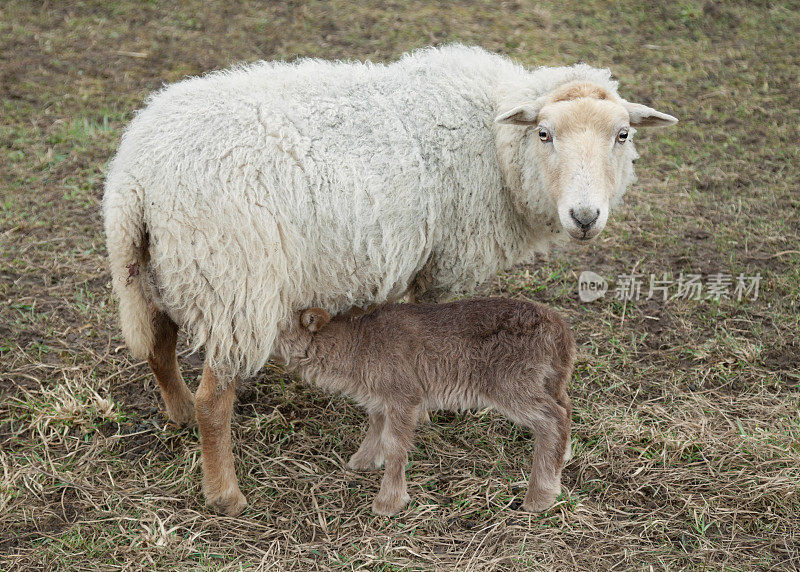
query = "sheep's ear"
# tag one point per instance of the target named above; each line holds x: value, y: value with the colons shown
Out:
x: 643, y: 116
x: 315, y: 319
x: 526, y: 114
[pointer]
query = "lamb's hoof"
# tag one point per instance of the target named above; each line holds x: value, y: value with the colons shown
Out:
x: 359, y: 463
x: 568, y: 452
x: 541, y: 502
x: 229, y: 505
x: 391, y: 505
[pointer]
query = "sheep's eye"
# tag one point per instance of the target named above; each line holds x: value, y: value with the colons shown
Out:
x: 544, y: 135
x: 622, y: 136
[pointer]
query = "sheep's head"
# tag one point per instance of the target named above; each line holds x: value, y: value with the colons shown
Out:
x: 578, y: 146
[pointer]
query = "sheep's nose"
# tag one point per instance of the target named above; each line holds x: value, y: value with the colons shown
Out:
x: 584, y: 217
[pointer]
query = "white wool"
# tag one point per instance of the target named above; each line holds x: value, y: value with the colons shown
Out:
x: 276, y: 187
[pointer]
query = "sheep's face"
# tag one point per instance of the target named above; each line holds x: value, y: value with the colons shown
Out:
x: 583, y: 151
x: 578, y: 148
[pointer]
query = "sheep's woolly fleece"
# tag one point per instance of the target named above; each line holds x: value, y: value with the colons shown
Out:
x: 247, y: 194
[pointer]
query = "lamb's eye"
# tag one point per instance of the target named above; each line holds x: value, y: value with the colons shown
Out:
x: 622, y: 135
x: 544, y: 135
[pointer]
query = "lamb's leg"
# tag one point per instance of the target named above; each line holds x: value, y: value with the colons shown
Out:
x: 370, y: 453
x: 550, y: 422
x: 214, y: 406
x: 397, y: 437
x: 564, y: 427
x: 164, y: 363
x: 552, y: 429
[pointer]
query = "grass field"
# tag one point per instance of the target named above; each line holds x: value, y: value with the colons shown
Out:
x: 686, y: 428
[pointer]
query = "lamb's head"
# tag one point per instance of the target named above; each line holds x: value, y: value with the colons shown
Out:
x: 293, y: 342
x: 576, y: 153
x: 314, y: 320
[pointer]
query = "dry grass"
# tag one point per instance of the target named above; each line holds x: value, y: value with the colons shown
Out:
x: 687, y: 434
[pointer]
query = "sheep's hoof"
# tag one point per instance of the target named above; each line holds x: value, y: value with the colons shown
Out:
x: 390, y: 505
x: 182, y: 414
x: 230, y: 505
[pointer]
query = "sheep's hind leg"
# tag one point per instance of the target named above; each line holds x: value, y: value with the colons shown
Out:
x: 214, y: 407
x: 164, y: 362
x: 397, y: 436
x: 370, y: 453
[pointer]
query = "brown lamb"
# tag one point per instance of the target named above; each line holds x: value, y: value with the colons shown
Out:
x: 404, y: 359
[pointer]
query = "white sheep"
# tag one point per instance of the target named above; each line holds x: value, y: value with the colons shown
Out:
x: 244, y: 195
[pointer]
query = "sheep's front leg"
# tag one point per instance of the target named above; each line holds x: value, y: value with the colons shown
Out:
x: 213, y: 407
x: 397, y: 436
x: 370, y: 454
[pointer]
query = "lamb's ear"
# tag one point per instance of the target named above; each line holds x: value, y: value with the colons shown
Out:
x: 314, y: 319
x: 643, y: 116
x: 525, y: 114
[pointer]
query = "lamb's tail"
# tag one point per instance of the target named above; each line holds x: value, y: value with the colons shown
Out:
x: 126, y: 241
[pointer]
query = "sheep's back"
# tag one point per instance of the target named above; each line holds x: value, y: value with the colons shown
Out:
x: 277, y: 187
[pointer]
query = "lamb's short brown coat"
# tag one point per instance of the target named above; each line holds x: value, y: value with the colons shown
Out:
x: 401, y: 359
